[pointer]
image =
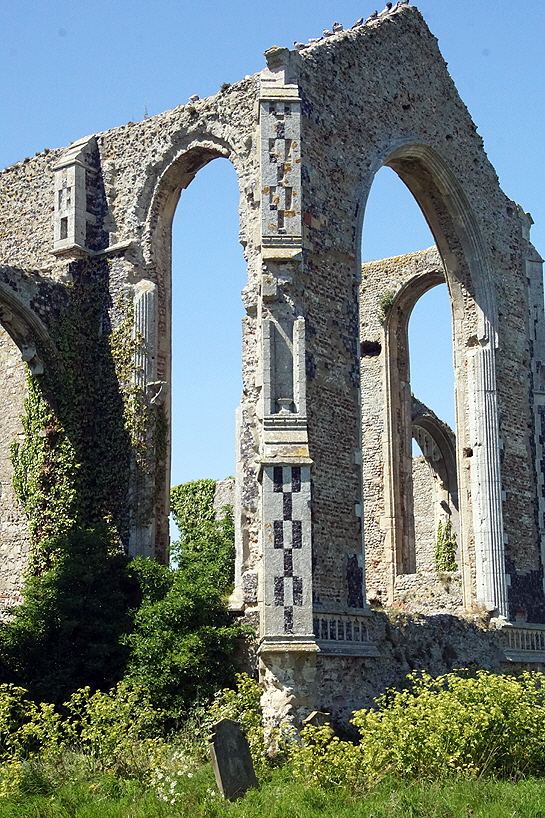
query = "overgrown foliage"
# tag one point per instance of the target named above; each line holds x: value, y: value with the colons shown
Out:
x: 183, y: 642
x: 72, y: 467
x: 45, y: 468
x: 184, y: 639
x: 445, y: 747
x: 445, y: 547
x: 67, y: 633
x: 204, y: 541
x: 91, y: 617
x: 456, y: 725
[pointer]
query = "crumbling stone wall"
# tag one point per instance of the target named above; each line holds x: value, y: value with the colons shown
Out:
x: 420, y: 491
x: 85, y: 238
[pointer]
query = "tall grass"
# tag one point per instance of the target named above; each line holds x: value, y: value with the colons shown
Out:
x: 279, y: 797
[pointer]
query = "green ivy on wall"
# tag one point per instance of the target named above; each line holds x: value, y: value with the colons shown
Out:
x: 445, y: 548
x: 86, y: 422
x: 45, y: 469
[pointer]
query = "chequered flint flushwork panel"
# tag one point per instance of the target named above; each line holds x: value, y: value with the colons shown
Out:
x: 287, y: 550
x: 541, y: 455
x: 281, y: 171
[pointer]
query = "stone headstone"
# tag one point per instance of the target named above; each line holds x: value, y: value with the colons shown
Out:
x: 317, y: 719
x: 231, y: 759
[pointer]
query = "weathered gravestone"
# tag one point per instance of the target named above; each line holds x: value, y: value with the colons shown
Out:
x: 317, y: 719
x: 231, y: 759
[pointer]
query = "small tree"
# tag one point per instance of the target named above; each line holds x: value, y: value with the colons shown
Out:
x: 184, y: 639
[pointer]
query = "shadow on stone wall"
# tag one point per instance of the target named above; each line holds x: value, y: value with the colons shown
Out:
x: 407, y: 642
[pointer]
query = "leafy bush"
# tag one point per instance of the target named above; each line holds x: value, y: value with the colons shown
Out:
x: 183, y: 642
x: 323, y: 759
x: 118, y: 728
x: 184, y: 639
x: 455, y: 725
x: 91, y: 616
x: 485, y: 724
x: 67, y: 632
x: 27, y: 728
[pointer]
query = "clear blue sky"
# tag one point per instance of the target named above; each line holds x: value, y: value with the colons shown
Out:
x: 72, y: 68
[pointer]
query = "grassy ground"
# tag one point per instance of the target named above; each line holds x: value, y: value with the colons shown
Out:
x: 103, y: 796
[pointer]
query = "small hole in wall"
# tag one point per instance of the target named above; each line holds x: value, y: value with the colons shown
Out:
x: 370, y: 349
x: 468, y: 452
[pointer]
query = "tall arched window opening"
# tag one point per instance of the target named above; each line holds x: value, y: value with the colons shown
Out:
x: 434, y: 480
x: 401, y: 515
x: 208, y: 274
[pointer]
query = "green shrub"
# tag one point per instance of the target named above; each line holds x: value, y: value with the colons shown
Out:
x: 485, y: 724
x: 183, y: 641
x: 456, y: 725
x: 27, y: 728
x: 67, y: 632
x: 323, y: 759
x: 118, y: 729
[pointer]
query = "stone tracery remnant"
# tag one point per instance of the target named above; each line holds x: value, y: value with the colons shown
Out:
x: 326, y: 417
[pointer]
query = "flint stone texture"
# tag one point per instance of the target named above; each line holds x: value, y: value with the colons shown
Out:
x: 325, y: 424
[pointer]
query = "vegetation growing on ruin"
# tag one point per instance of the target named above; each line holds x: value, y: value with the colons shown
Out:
x: 184, y: 640
x: 69, y: 631
x: 445, y: 548
x: 72, y: 467
x: 468, y: 745
x: 203, y: 539
x: 385, y: 304
x: 183, y: 643
x: 92, y: 617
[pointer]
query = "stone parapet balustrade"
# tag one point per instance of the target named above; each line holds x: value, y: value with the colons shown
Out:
x: 343, y: 634
x: 523, y: 643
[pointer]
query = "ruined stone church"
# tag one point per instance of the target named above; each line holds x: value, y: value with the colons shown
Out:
x: 336, y: 523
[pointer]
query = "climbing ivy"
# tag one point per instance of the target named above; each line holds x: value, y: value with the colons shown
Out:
x: 85, y: 417
x: 445, y: 548
x: 192, y: 503
x: 45, y: 469
x: 204, y: 540
x: 124, y: 343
